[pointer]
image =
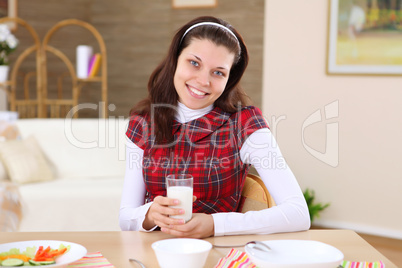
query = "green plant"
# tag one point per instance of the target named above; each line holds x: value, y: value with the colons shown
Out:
x: 313, y: 208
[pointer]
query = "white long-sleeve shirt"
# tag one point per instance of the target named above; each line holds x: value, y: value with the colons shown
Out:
x: 261, y: 150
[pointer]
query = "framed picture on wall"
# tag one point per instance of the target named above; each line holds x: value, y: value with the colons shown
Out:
x: 194, y: 3
x: 8, y: 8
x: 365, y: 37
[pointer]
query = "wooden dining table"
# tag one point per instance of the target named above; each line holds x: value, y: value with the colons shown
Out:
x: 118, y: 247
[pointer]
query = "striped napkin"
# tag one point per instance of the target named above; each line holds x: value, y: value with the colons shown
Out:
x: 92, y: 260
x: 239, y: 259
x: 355, y: 264
x: 235, y: 259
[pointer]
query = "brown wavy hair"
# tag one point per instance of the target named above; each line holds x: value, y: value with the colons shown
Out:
x: 162, y: 97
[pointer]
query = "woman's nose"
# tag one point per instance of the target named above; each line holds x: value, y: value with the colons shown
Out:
x: 203, y: 79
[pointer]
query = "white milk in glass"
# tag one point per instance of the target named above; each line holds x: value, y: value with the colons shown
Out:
x: 185, y: 195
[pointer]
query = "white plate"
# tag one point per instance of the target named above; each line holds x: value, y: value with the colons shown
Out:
x: 75, y: 253
x: 295, y: 253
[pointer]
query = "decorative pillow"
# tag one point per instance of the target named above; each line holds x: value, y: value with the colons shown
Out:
x: 3, y: 172
x: 11, y: 207
x: 24, y: 161
x: 8, y: 131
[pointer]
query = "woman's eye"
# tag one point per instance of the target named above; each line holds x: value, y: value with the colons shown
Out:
x: 219, y: 73
x: 194, y: 63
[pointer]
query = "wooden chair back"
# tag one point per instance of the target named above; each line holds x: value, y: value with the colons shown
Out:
x: 255, y: 195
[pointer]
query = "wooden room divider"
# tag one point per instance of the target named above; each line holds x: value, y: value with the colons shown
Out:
x: 40, y: 105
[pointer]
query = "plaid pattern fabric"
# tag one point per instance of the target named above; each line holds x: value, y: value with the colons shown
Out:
x: 208, y: 148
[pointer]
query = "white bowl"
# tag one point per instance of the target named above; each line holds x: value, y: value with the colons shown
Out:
x: 295, y: 254
x: 181, y: 252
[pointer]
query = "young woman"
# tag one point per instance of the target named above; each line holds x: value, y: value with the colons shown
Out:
x: 196, y: 121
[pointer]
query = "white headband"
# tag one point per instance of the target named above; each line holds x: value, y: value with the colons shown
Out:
x: 210, y: 23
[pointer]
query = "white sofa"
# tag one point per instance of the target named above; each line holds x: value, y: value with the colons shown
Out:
x: 88, y: 160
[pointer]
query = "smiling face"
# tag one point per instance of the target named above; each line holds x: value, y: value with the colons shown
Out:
x: 202, y: 73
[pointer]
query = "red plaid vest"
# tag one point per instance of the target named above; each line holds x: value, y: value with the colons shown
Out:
x: 208, y: 148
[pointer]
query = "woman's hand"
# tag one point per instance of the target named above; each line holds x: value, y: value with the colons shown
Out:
x: 200, y: 226
x: 159, y: 211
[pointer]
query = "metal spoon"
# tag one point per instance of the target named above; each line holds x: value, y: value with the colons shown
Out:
x: 137, y: 261
x: 258, y: 245
x: 229, y: 246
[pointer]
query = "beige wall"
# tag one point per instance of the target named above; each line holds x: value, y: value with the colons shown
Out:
x: 137, y: 35
x: 365, y: 187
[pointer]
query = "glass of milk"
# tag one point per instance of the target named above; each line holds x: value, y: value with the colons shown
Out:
x: 180, y: 187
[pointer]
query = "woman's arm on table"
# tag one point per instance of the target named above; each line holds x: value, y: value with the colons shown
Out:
x: 290, y: 213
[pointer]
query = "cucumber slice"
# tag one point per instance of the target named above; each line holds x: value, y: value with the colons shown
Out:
x: 12, y: 262
x: 47, y: 262
x: 38, y: 263
x: 33, y: 263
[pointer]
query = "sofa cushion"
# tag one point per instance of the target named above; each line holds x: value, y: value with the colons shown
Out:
x: 24, y: 161
x: 80, y: 148
x: 87, y: 204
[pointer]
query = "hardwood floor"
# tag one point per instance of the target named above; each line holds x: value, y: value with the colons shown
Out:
x: 390, y: 248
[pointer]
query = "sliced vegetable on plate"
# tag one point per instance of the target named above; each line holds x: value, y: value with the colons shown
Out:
x: 12, y: 262
x: 41, y: 253
x: 31, y: 256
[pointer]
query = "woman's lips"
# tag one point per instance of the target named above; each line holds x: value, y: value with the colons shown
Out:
x: 196, y: 93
